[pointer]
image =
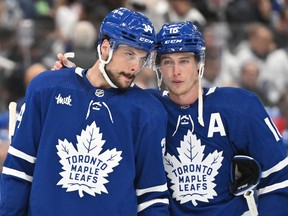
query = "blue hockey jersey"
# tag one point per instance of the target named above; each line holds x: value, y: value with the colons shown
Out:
x: 198, y: 159
x: 80, y: 150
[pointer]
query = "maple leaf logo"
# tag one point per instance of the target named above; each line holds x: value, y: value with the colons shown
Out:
x: 86, y: 169
x: 192, y: 177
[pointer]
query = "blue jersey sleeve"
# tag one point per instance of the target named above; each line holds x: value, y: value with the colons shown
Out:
x: 255, y: 134
x: 151, y: 184
x: 17, y: 174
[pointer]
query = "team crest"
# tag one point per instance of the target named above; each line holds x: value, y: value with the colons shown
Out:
x: 193, y: 176
x: 86, y: 168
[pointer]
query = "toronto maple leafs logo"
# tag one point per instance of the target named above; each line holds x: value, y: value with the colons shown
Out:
x: 86, y: 168
x: 193, y: 176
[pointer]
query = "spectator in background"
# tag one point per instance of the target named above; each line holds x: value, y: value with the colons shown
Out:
x: 221, y: 65
x: 249, y: 80
x: 281, y: 27
x: 241, y: 13
x: 212, y: 10
x: 10, y: 14
x: 7, y: 66
x: 212, y: 70
x: 84, y: 40
x: 184, y: 10
x: 248, y: 11
x: 282, y: 121
x: 154, y: 9
x: 29, y: 74
x: 258, y: 45
x: 276, y: 77
x: 28, y: 8
x: 67, y: 13
x: 96, y: 10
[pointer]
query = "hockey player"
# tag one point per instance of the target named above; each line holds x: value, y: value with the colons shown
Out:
x: 207, y: 131
x: 85, y: 141
x: 220, y: 142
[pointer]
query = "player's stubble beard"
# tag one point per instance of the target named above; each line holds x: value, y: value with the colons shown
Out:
x: 116, y: 81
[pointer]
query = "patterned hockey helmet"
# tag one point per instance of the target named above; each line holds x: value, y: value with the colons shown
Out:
x: 123, y: 26
x: 181, y: 37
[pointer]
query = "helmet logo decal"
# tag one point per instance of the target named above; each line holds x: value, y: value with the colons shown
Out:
x: 146, y: 40
x: 118, y: 11
x: 148, y: 28
x: 174, y: 30
x: 173, y: 41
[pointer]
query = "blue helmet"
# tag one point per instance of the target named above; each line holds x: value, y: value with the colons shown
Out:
x: 123, y: 26
x: 180, y: 37
x: 175, y: 37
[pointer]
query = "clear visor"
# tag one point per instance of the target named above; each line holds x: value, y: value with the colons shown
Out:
x: 141, y: 62
x: 167, y: 63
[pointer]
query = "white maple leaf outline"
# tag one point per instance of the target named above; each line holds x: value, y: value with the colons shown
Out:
x: 188, y: 156
x: 88, y: 143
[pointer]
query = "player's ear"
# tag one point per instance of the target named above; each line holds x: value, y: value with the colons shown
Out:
x: 105, y: 47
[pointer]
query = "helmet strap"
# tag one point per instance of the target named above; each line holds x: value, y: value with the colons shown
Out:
x: 102, y: 65
x: 155, y: 67
x: 159, y: 78
x: 200, y: 95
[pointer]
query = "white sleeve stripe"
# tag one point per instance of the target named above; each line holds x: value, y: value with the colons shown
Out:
x: 160, y: 188
x: 276, y: 135
x: 273, y: 187
x: 17, y: 173
x: 20, y: 154
x: 145, y: 205
x: 275, y: 168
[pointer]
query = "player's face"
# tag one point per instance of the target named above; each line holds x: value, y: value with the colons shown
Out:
x: 180, y: 73
x: 125, y: 65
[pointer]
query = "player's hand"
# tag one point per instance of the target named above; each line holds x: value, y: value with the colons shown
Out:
x: 63, y: 61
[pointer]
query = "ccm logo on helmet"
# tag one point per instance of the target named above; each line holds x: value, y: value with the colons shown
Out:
x: 146, y: 40
x: 173, y: 41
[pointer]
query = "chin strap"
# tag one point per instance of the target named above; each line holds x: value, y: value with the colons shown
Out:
x: 102, y: 66
x: 158, y: 77
x: 200, y: 95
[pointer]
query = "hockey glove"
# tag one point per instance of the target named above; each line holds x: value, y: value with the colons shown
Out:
x: 245, y: 174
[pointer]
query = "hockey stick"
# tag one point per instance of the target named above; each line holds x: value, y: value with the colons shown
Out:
x: 245, y: 176
x: 12, y: 119
x: 249, y: 196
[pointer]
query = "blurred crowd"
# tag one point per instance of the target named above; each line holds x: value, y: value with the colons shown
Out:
x: 246, y: 40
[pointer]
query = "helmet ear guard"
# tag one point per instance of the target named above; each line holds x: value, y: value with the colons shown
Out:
x: 245, y: 174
